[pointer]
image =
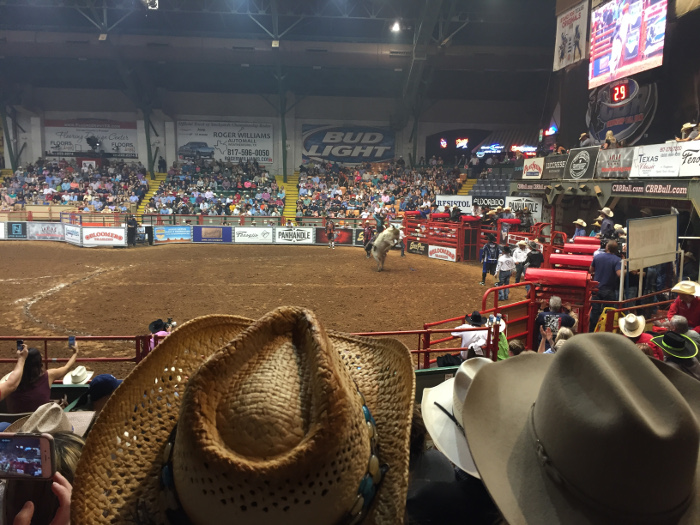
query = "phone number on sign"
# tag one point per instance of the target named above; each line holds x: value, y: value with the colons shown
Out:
x: 248, y: 152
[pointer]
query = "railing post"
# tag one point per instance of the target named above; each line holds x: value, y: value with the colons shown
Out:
x: 46, y: 354
x: 426, y: 348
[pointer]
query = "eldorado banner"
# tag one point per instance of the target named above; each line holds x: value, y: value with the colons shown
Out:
x: 615, y: 163
x: 68, y: 138
x: 572, y: 28
x: 347, y: 144
x: 658, y: 160
x: 225, y: 140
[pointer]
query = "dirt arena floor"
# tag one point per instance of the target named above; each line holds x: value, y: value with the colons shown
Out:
x: 55, y: 289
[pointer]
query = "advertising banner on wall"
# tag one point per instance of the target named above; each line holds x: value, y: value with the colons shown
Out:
x: 347, y: 144
x: 2, y: 230
x: 464, y: 202
x: 675, y: 189
x: 16, y: 230
x: 491, y: 202
x: 253, y: 235
x: 533, y: 168
x: 572, y: 28
x: 104, y: 237
x: 554, y: 166
x: 615, y: 163
x: 581, y: 163
x: 658, y: 160
x: 443, y: 253
x: 69, y: 138
x: 532, y: 186
x: 419, y: 248
x: 72, y: 233
x: 44, y: 231
x: 212, y: 234
x: 342, y: 236
x: 359, y: 237
x: 225, y: 140
x: 534, y: 204
x: 172, y: 234
x: 294, y: 235
x: 690, y: 160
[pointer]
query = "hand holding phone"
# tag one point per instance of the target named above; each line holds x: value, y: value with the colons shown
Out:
x: 71, y: 341
x: 20, y: 344
x: 27, y: 456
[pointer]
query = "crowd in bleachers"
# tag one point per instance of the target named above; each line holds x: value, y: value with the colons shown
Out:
x: 334, y: 191
x: 211, y: 187
x: 116, y: 186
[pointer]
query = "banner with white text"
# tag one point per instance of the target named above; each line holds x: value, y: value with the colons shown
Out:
x: 347, y: 144
x: 224, y: 140
x: 658, y: 160
x: 81, y: 137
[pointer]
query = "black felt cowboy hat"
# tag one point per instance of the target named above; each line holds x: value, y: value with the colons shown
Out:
x: 156, y: 326
x: 676, y: 345
x: 475, y: 319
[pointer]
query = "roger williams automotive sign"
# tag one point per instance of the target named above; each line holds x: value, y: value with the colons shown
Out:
x: 347, y: 144
x: 442, y: 253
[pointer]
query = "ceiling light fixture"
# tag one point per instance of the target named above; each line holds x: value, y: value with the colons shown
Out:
x: 396, y: 27
x: 275, y: 43
x: 102, y: 37
x: 150, y: 4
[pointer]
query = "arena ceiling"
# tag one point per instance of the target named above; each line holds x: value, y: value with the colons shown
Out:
x: 446, y: 49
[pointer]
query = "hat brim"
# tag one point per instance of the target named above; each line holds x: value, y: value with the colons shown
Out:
x: 612, y: 214
x: 690, y: 349
x: 522, y: 490
x: 447, y: 436
x: 68, y: 380
x: 632, y: 333
x: 147, y: 405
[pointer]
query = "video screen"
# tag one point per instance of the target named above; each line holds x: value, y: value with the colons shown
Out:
x: 627, y: 37
x: 20, y: 455
x: 462, y: 143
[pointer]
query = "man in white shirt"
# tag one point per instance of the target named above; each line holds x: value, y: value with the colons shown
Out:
x: 519, y: 256
x: 474, y: 339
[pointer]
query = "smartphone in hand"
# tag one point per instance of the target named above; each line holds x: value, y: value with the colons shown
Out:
x: 20, y: 344
x: 27, y: 456
x: 71, y: 341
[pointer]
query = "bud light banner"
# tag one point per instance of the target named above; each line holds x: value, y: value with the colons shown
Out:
x: 614, y: 163
x: 533, y: 168
x: 347, y: 144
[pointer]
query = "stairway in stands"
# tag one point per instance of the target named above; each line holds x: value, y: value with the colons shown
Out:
x: 467, y: 186
x: 153, y: 186
x: 292, y: 191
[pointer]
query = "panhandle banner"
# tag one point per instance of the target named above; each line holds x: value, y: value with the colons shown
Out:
x: 69, y: 138
x: 615, y: 163
x: 554, y: 166
x: 533, y: 168
x: 172, y: 234
x: 659, y: 160
x: 212, y: 234
x: 581, y: 163
x: 463, y: 202
x: 572, y: 28
x: 294, y: 235
x: 16, y: 230
x: 342, y: 236
x: 443, y: 253
x: 72, y: 233
x: 491, y: 202
x: 224, y: 140
x: 534, y: 204
x: 347, y: 144
x: 690, y: 160
x: 44, y: 231
x: 104, y: 237
x: 253, y: 235
x: 419, y: 248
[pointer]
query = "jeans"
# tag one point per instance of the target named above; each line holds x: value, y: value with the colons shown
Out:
x: 519, y: 271
x: 403, y: 247
x: 606, y: 294
x: 503, y: 279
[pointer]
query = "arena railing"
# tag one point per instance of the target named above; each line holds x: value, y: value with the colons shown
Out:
x: 621, y: 308
x: 141, y: 347
x: 88, y: 219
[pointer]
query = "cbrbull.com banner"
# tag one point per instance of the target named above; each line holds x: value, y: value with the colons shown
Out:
x: 347, y: 144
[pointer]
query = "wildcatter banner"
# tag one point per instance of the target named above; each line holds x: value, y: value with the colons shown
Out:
x: 45, y: 231
x: 76, y: 138
x: 615, y: 163
x: 172, y: 234
x: 347, y: 144
x: 443, y: 253
x: 572, y: 27
x: 659, y: 160
x: 224, y: 140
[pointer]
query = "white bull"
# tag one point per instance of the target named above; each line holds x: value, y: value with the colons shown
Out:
x: 382, y: 244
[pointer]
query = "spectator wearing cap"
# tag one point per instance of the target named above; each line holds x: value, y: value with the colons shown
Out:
x: 474, y: 339
x: 101, y: 387
x: 680, y: 353
x: 686, y: 304
x: 534, y: 259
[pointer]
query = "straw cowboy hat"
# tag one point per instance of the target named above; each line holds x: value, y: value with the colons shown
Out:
x: 632, y: 325
x: 47, y: 418
x: 685, y: 287
x: 607, y: 212
x: 596, y: 223
x: 522, y: 243
x: 688, y: 125
x: 597, y: 434
x: 507, y: 208
x: 677, y: 345
x: 617, y: 226
x: 580, y: 222
x: 582, y: 135
x: 646, y: 211
x: 79, y: 376
x: 442, y: 414
x: 265, y: 422
x: 492, y: 212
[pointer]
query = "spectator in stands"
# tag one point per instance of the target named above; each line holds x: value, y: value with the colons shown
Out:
x: 680, y: 353
x: 504, y: 268
x: 554, y: 318
x: 515, y: 347
x: 474, y: 340
x: 689, y: 131
x: 605, y: 269
x: 555, y: 343
x: 607, y: 227
x: 585, y: 140
x: 9, y: 385
x: 632, y: 326
x: 101, y: 387
x: 686, y: 304
x: 34, y: 389
x: 519, y: 258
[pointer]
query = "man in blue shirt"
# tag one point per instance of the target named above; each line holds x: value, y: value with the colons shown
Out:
x: 606, y: 269
x: 607, y: 227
